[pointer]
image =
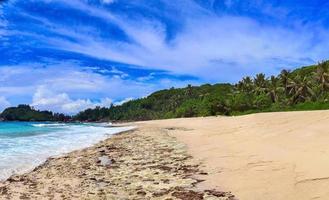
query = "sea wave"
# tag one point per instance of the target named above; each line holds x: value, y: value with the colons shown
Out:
x: 22, y: 154
x: 49, y: 125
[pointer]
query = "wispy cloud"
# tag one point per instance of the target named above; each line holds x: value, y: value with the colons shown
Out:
x: 3, y: 22
x: 107, y: 1
x: 206, y: 43
x: 123, y: 101
x: 136, y: 47
x: 68, y: 87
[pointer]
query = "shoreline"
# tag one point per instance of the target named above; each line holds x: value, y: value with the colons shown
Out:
x: 144, y: 163
x: 39, y: 150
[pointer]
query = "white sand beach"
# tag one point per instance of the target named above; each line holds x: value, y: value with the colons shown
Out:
x: 282, y: 155
x: 255, y: 157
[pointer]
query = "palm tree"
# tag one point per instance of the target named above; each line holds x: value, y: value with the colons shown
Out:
x: 246, y: 84
x: 300, y: 89
x: 260, y: 80
x: 274, y: 89
x: 285, y: 78
x: 322, y: 75
x: 260, y: 83
x: 189, y: 90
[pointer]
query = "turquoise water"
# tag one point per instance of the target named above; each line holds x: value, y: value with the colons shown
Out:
x: 24, y: 145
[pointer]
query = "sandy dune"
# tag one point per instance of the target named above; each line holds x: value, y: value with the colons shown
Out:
x: 260, y: 156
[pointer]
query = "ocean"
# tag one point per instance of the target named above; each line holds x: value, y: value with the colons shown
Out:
x: 25, y: 145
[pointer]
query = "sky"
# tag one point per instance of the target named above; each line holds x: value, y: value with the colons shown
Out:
x: 69, y: 55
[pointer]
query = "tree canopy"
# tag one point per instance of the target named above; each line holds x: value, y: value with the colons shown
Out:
x: 28, y: 113
x: 306, y: 88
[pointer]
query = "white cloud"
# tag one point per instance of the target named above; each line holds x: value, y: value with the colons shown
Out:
x: 45, y: 99
x: 107, y: 1
x: 122, y: 74
x: 65, y: 77
x: 68, y: 87
x: 146, y: 78
x: 211, y: 47
x: 118, y: 103
x: 207, y: 46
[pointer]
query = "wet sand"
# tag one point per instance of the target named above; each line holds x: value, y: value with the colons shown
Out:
x: 146, y: 163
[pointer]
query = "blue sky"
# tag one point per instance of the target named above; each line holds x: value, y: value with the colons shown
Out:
x: 68, y: 55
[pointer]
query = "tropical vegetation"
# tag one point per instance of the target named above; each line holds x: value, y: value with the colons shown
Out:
x: 28, y: 113
x: 305, y: 88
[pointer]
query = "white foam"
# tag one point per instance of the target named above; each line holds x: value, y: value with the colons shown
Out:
x: 48, y: 125
x: 20, y: 155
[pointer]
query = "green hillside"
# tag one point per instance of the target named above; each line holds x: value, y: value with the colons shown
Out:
x: 306, y: 88
x: 27, y: 113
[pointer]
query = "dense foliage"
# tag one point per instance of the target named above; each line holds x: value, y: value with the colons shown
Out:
x: 27, y: 113
x: 306, y: 88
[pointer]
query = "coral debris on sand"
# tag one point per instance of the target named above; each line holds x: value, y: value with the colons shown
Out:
x: 142, y: 164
